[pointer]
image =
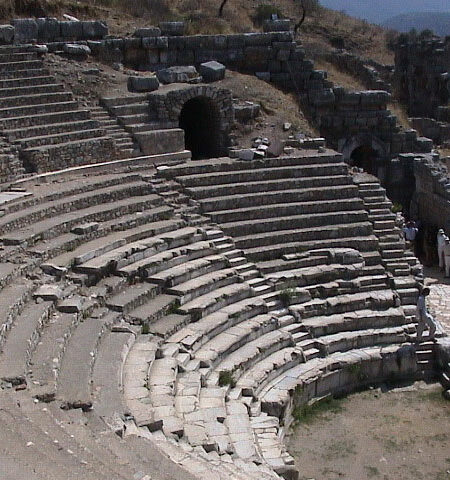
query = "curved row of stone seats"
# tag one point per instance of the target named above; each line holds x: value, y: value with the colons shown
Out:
x: 41, y: 119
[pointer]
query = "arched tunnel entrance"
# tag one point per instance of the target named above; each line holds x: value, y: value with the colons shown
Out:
x: 200, y: 120
x: 365, y: 157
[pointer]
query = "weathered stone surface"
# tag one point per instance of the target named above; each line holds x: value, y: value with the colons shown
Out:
x: 77, y: 50
x: 278, y: 25
x: 94, y: 30
x: 142, y: 84
x: 177, y: 74
x: 26, y: 30
x: 147, y: 32
x: 49, y: 29
x: 48, y: 292
x: 212, y: 71
x: 174, y: 29
x: 6, y: 34
x: 71, y: 30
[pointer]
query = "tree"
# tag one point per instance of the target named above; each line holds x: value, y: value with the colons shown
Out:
x: 222, y: 6
x: 307, y: 7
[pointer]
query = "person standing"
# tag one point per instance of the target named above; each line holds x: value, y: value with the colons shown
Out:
x: 424, y: 319
x: 447, y: 256
x: 410, y: 233
x: 440, y: 248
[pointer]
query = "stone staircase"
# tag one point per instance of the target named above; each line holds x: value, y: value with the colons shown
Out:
x: 135, y: 115
x: 141, y: 340
x: 41, y: 120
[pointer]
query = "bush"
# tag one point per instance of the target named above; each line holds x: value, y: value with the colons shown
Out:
x: 264, y: 12
x: 286, y: 296
x: 226, y: 378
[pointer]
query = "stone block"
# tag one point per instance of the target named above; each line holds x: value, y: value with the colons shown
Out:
x: 72, y: 30
x: 235, y: 41
x: 162, y: 42
x: 6, y: 34
x: 177, y: 74
x: 77, y: 50
x: 26, y: 30
x: 264, y: 76
x: 256, y: 58
x: 212, y: 71
x: 172, y: 29
x: 278, y: 25
x: 322, y: 97
x: 142, y: 84
x: 257, y: 39
x: 161, y: 141
x: 147, y: 32
x: 49, y: 29
x: 48, y: 292
x: 94, y: 30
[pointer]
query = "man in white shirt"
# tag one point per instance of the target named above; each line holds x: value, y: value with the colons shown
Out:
x: 424, y: 319
x: 440, y: 247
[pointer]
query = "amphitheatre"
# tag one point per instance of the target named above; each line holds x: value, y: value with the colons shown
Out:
x: 174, y: 282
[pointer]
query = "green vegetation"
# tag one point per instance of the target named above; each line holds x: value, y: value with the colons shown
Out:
x: 309, y: 412
x: 397, y: 208
x: 226, y: 378
x: 264, y: 12
x: 286, y: 296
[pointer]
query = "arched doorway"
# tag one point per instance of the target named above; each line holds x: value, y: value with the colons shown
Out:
x: 200, y: 120
x: 365, y: 157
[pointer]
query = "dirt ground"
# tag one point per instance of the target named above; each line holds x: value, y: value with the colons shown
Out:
x: 397, y: 435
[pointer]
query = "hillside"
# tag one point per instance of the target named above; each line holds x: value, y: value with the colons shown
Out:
x: 439, y: 23
x: 323, y: 28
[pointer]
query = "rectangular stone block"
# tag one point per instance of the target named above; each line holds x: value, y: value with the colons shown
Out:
x: 161, y: 141
x: 71, y: 30
x: 49, y: 29
x: 6, y: 34
x: 26, y: 30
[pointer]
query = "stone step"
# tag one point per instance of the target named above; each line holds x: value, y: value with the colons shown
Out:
x: 169, y: 258
x: 377, y: 300
x: 216, y: 300
x: 58, y: 138
x: 130, y: 109
x: 49, y: 129
x: 251, y: 350
x: 270, y: 252
x: 74, y: 379
x: 133, y: 119
x: 148, y: 126
x: 52, y: 227
x: 263, y: 225
x: 37, y: 71
x: 153, y: 310
x: 344, y: 341
x: 189, y: 270
x: 168, y: 325
x: 108, y: 102
x: 196, y: 334
x: 34, y: 99
x: 269, y: 185
x: 44, y: 119
x: 267, y: 369
x: 204, y: 284
x: 356, y: 320
x: 31, y: 90
x: 132, y: 297
x: 262, y: 174
x: 108, y: 402
x: 37, y: 109
x: 13, y: 299
x: 228, y: 164
x: 285, y: 209
x: 20, y: 65
x: 313, y: 234
x: 21, y: 340
x: 237, y: 338
x: 27, y: 81
x: 70, y: 203
x: 17, y: 57
x: 270, y: 198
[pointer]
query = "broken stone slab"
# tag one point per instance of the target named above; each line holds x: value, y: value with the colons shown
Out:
x: 172, y: 29
x: 6, y: 34
x: 53, y: 269
x: 85, y: 228
x: 94, y: 29
x: 76, y: 50
x: 246, y: 154
x: 277, y: 25
x: 177, y: 74
x: 142, y: 84
x: 26, y: 30
x: 39, y: 49
x: 71, y: 305
x: 48, y: 292
x: 147, y: 32
x: 212, y: 71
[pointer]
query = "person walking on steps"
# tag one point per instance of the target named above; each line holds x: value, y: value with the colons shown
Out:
x: 447, y: 257
x: 440, y: 247
x: 424, y: 319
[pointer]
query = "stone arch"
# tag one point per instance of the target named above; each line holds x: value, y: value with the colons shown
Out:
x: 204, y: 112
x: 365, y: 151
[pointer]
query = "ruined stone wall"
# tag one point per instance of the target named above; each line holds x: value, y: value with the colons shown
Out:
x: 422, y: 70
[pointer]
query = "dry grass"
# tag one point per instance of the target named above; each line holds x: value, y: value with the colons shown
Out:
x: 339, y: 77
x: 401, y: 113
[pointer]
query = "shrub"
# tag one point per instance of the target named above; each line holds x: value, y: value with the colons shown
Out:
x: 226, y: 378
x: 264, y: 12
